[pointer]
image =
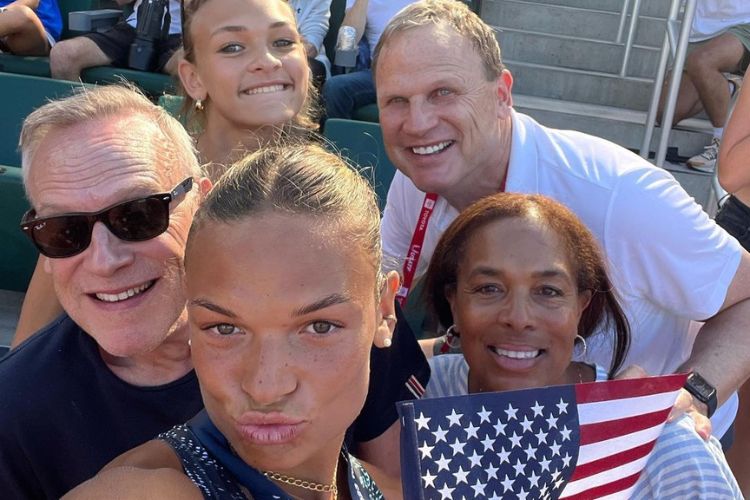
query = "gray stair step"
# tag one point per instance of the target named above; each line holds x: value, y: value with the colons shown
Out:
x: 571, y: 21
x: 621, y: 126
x: 654, y: 8
x: 580, y: 86
x: 576, y: 53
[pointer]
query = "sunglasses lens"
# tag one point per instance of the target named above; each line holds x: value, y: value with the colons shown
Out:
x: 139, y: 220
x: 62, y: 236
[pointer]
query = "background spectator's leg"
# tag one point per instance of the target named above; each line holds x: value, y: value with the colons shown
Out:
x: 705, y: 66
x: 688, y: 101
x: 342, y: 94
x: 69, y: 57
x: 22, y: 31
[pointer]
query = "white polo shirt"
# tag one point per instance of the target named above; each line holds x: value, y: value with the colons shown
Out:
x: 669, y: 261
x: 713, y: 17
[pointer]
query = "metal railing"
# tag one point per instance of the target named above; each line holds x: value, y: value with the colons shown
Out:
x: 674, y: 45
x: 631, y: 32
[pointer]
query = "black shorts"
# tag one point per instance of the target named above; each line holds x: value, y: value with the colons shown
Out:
x: 116, y: 41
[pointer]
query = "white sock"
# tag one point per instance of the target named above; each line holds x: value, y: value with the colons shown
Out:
x: 718, y: 132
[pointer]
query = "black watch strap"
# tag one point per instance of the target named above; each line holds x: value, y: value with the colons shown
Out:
x: 702, y: 391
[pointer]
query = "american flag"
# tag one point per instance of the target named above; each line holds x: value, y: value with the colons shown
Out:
x: 570, y: 442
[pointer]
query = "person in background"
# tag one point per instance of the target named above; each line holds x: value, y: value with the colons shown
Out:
x: 280, y: 338
x: 525, y: 283
x: 112, y: 47
x: 312, y: 22
x: 734, y: 216
x: 720, y: 44
x: 446, y: 110
x: 29, y: 27
x: 342, y: 94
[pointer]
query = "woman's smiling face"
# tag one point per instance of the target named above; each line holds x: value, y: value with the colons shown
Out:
x: 248, y: 61
x: 516, y: 305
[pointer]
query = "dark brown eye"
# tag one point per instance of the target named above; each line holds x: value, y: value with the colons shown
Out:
x: 225, y: 329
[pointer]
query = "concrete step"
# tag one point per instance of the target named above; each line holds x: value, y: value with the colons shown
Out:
x: 524, y: 15
x: 576, y: 53
x: 590, y: 87
x: 654, y: 8
x: 621, y: 126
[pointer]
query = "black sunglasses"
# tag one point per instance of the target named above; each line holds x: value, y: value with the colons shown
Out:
x: 135, y: 220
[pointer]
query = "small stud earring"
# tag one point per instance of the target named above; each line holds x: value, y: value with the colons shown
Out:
x: 199, y: 107
x: 387, y: 342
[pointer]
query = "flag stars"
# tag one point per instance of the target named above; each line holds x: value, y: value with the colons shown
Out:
x: 519, y: 467
x: 523, y: 494
x: 445, y: 492
x: 562, y: 407
x: 491, y: 472
x: 552, y: 422
x: 555, y: 449
x: 461, y: 475
x: 426, y: 450
x: 526, y: 424
x: 541, y: 437
x: 515, y: 439
x: 544, y: 464
x: 429, y: 480
x: 442, y: 463
x: 422, y: 421
x: 471, y: 431
x: 511, y: 412
x: 475, y: 459
x: 484, y: 415
x: 455, y: 418
x: 487, y: 443
x: 478, y: 488
x: 533, y: 480
x: 504, y: 456
x: 566, y: 460
x: 565, y: 433
x: 499, y: 428
x: 440, y: 435
x: 537, y: 409
x: 530, y: 452
x: 507, y: 484
x: 458, y: 447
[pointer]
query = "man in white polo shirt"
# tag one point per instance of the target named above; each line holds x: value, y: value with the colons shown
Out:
x: 449, y: 127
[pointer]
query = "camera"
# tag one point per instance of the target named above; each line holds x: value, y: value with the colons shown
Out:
x: 152, y: 26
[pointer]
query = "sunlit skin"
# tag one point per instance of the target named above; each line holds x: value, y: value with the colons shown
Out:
x: 433, y: 93
x: 516, y: 297
x: 282, y: 321
x: 110, y: 162
x: 250, y: 67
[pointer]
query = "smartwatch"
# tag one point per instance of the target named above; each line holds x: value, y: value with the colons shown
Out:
x: 702, y: 391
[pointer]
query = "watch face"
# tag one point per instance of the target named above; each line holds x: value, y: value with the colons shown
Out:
x: 700, y: 385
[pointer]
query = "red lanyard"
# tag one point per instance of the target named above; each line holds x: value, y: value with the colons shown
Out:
x: 415, y: 248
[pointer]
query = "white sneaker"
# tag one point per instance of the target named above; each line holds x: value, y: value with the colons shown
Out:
x: 706, y: 161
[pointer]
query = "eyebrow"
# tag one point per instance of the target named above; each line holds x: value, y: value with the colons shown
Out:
x: 333, y: 299
x: 492, y: 272
x: 234, y: 28
x: 212, y: 307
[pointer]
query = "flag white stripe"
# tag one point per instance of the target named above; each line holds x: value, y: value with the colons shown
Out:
x: 605, y: 477
x: 603, y: 411
x: 595, y: 451
x: 620, y: 495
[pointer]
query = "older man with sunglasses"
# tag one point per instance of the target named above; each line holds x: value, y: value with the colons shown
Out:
x: 114, y: 184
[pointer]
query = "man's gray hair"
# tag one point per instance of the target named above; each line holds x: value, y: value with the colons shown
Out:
x: 454, y: 14
x: 121, y: 100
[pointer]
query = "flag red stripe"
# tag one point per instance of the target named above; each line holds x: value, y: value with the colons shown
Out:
x: 606, y: 489
x: 417, y: 383
x: 628, y: 388
x: 601, y: 431
x: 612, y: 461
